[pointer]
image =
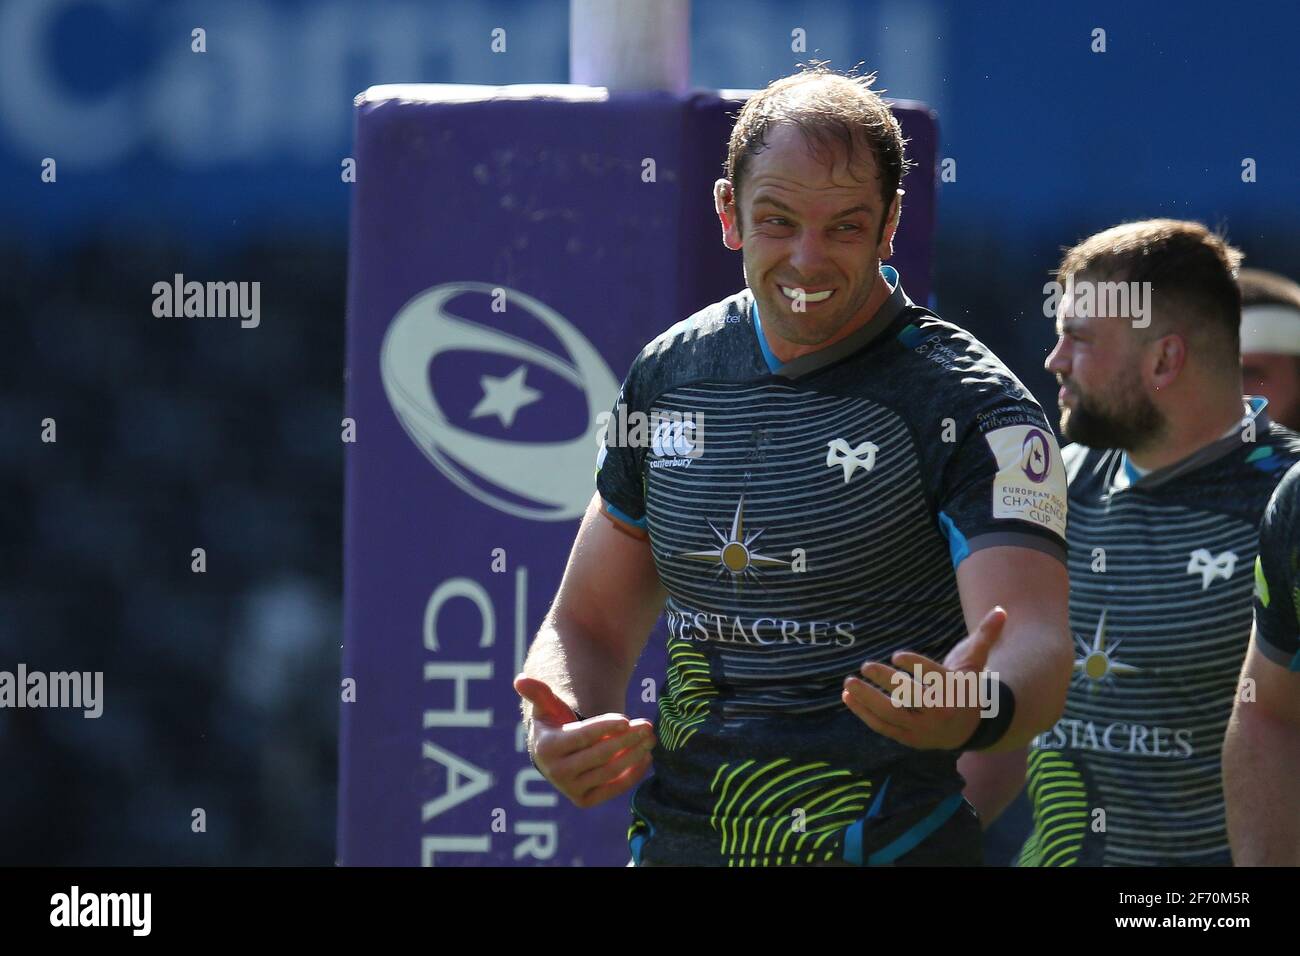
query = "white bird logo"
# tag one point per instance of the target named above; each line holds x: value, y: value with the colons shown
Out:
x: 850, y: 459
x: 1209, y: 567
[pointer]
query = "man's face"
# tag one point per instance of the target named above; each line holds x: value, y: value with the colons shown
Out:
x: 1277, y: 378
x: 1098, y: 363
x: 804, y: 226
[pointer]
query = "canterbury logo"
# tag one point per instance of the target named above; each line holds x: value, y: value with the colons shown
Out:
x: 850, y: 459
x: 1209, y: 567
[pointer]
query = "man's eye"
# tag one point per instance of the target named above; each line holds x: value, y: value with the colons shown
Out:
x: 777, y: 220
x: 847, y: 225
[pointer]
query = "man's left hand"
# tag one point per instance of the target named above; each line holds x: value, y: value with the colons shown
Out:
x: 945, y: 727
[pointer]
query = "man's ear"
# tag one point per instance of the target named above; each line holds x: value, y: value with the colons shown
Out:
x: 886, y: 248
x: 1169, y: 360
x: 724, y: 203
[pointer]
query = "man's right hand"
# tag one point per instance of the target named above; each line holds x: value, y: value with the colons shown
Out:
x: 589, y: 761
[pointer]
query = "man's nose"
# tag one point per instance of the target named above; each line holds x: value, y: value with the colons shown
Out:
x: 809, y: 254
x: 1058, y: 360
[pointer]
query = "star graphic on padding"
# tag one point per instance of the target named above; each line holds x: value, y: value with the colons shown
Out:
x: 503, y: 397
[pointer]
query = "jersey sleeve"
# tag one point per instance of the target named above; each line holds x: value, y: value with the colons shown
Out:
x: 1003, y: 482
x: 1277, y: 628
x: 621, y: 459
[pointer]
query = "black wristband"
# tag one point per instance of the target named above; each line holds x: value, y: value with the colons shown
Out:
x: 992, y: 729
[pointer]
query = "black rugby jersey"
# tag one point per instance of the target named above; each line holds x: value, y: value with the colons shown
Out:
x: 1160, y: 607
x: 805, y: 518
x: 1277, y: 576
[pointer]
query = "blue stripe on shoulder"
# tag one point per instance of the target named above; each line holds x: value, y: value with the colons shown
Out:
x: 626, y: 519
x: 958, y: 549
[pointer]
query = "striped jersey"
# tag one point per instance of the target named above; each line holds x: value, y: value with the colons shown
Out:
x: 1277, y: 576
x: 805, y: 518
x: 1160, y: 607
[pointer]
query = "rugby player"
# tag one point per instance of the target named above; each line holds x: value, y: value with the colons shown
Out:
x: 1169, y: 476
x: 1270, y: 342
x: 842, y: 488
x: 1261, y: 753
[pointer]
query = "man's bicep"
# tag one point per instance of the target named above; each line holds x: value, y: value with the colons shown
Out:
x: 1275, y: 689
x: 611, y: 589
x: 1032, y: 585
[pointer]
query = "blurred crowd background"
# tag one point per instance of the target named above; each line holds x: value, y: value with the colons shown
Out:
x: 222, y: 688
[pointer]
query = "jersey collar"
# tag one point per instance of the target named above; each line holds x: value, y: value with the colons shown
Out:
x: 888, y: 311
x: 1127, y: 476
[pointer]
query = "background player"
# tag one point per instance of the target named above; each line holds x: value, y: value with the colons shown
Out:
x: 868, y: 481
x: 1270, y: 342
x: 1261, y: 753
x: 1168, y: 480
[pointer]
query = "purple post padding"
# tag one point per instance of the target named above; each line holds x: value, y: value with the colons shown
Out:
x: 512, y: 249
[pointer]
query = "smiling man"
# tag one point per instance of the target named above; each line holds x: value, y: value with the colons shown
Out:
x: 841, y: 494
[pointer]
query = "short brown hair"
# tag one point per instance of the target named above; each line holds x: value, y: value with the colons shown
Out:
x: 1261, y: 287
x: 1192, y: 271
x: 829, y: 109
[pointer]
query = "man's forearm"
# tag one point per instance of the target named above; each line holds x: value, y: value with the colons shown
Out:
x: 577, y: 669
x: 1040, y: 678
x: 1262, y: 789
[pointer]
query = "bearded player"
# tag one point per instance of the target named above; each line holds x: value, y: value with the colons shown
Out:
x: 1169, y: 476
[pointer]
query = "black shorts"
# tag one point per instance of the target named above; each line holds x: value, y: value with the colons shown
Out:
x: 905, y: 839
